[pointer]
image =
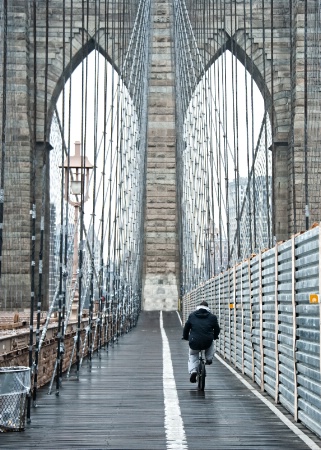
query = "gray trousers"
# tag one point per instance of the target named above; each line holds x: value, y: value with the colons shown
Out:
x: 193, y: 357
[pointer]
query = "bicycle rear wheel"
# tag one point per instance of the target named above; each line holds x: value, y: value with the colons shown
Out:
x: 201, y: 376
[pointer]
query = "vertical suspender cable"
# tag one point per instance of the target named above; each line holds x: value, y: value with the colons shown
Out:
x: 63, y: 249
x: 179, y: 147
x: 204, y: 140
x: 143, y: 159
x: 208, y: 124
x: 44, y: 187
x: 82, y: 247
x: 66, y: 224
x: 108, y: 277
x: 33, y: 206
x: 62, y: 260
x: 306, y: 181
x: 117, y: 231
x: 249, y: 198
x: 3, y: 124
x: 102, y: 293
x: 109, y: 246
x: 217, y: 171
x: 80, y: 254
x: 99, y: 248
x: 114, y: 150
x: 235, y: 236
x: 82, y: 280
x: 272, y: 124
x: 236, y: 151
x: 120, y: 134
x: 235, y: 254
x: 114, y: 230
x: 213, y: 209
x: 93, y: 224
x: 292, y: 106
x: 212, y: 252
x: 34, y: 158
x: 225, y: 140
x: 44, y: 176
x: 252, y: 129
x: 91, y: 343
x: 118, y: 218
x: 219, y: 144
x: 267, y: 184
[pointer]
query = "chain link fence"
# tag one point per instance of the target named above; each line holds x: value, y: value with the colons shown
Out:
x: 14, y: 388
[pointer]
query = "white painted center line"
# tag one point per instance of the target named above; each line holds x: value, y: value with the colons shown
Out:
x: 174, y: 427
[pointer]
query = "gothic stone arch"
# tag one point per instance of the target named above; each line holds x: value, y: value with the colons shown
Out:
x: 37, y: 69
x: 230, y: 28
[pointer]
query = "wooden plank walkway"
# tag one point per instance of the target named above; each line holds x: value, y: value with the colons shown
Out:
x: 118, y: 403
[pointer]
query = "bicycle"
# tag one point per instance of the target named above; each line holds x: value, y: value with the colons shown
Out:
x: 201, y: 371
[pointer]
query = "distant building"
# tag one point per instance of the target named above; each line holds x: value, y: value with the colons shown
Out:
x: 237, y: 206
x: 248, y: 212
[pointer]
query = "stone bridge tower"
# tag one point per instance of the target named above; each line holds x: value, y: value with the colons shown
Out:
x: 161, y: 264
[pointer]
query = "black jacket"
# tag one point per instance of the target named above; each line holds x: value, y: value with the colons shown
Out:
x: 201, y: 329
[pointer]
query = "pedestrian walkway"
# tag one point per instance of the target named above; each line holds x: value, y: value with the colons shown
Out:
x: 138, y: 396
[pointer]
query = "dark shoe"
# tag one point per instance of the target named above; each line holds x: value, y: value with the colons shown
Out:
x: 208, y: 362
x: 193, y: 377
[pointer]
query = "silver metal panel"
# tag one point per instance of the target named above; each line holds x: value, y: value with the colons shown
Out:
x: 258, y: 331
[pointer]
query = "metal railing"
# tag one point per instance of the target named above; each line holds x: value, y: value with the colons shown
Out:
x: 270, y: 317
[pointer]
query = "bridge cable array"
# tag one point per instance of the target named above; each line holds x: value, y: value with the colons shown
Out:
x: 228, y: 143
x: 220, y: 223
x: 107, y: 285
x: 227, y: 148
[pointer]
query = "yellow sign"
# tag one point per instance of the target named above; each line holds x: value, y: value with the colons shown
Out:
x: 231, y: 305
x: 314, y: 298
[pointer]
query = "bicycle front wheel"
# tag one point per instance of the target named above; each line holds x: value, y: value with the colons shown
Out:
x: 201, y: 376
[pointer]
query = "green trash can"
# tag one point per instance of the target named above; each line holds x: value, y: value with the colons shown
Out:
x: 14, y: 388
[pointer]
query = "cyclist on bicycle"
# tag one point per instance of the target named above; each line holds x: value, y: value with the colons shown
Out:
x: 201, y: 329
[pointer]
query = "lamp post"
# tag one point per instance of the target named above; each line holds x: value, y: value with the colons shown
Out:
x: 76, y: 172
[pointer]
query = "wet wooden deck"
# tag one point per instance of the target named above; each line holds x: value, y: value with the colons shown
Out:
x: 118, y: 403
